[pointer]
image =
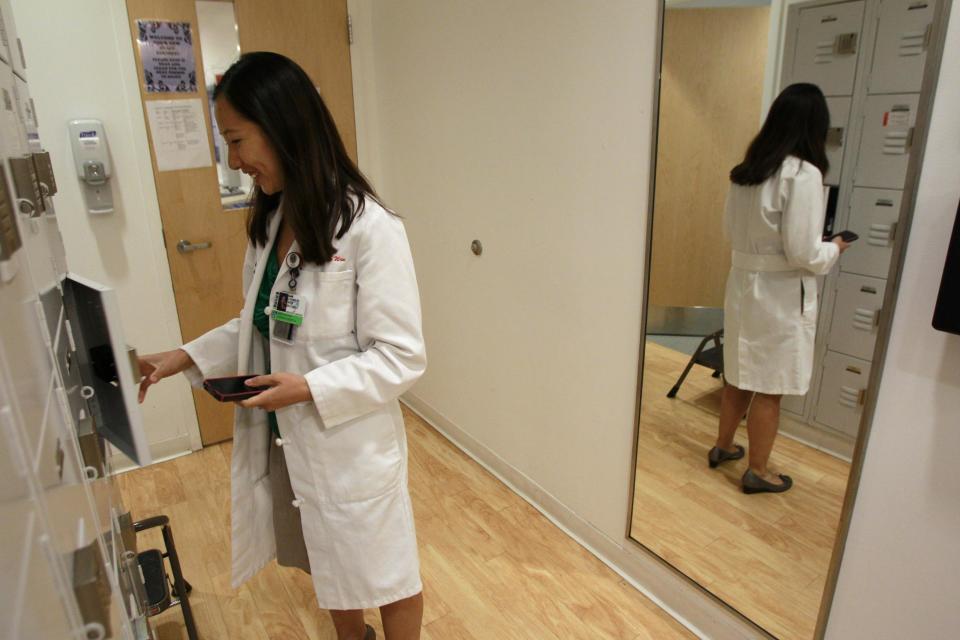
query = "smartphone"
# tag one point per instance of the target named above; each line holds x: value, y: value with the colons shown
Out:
x: 846, y: 236
x: 231, y: 388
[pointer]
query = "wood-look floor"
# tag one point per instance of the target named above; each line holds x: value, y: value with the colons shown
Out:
x: 493, y: 567
x: 766, y: 555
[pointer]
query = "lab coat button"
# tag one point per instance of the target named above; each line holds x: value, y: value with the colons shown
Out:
x: 267, y: 311
x: 280, y: 442
x: 296, y: 503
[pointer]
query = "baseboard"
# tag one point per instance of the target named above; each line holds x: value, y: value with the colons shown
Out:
x: 818, y: 437
x: 701, y: 613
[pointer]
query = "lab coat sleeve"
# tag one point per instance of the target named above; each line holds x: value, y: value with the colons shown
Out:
x: 728, y: 215
x: 216, y: 352
x: 388, y: 325
x: 801, y: 225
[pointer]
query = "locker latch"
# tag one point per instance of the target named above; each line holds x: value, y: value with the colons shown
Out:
x: 835, y: 137
x: 845, y: 44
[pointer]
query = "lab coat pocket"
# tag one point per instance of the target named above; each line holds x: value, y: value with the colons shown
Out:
x: 358, y: 460
x: 330, y: 300
x: 808, y: 297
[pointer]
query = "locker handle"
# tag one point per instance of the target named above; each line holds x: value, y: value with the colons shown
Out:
x: 909, y: 142
x: 884, y: 202
x: 866, y: 289
x: 893, y: 232
x: 856, y: 370
x: 845, y: 44
x: 826, y: 19
x: 876, y: 317
x: 835, y: 136
x: 917, y: 5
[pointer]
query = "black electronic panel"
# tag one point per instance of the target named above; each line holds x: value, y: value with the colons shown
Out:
x: 104, y: 365
x: 946, y: 316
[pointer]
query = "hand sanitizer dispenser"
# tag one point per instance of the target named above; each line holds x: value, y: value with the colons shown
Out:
x: 92, y: 158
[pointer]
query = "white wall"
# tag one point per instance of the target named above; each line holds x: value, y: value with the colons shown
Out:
x: 80, y: 65
x: 527, y: 126
x: 219, y: 40
x: 900, y: 575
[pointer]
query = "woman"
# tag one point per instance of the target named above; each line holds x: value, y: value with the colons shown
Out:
x: 332, y: 319
x: 774, y: 218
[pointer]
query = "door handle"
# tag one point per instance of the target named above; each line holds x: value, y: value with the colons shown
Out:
x: 185, y: 246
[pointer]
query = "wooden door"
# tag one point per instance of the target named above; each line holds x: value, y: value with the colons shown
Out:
x: 207, y: 283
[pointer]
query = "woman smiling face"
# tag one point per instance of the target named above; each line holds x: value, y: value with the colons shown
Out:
x: 248, y: 148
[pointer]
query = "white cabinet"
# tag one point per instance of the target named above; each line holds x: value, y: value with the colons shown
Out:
x: 873, y: 217
x: 842, y: 390
x: 903, y: 35
x: 826, y: 46
x: 856, y: 315
x: 837, y: 137
x: 887, y: 140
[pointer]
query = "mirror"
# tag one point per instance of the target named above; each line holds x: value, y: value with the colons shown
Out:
x: 709, y: 321
x: 220, y: 45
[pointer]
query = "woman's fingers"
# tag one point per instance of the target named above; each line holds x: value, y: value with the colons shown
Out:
x: 269, y: 380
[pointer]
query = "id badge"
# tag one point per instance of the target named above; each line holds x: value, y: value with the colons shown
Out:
x: 287, y: 315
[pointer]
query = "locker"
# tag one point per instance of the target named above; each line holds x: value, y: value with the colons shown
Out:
x: 903, y: 35
x: 13, y: 50
x: 793, y: 404
x: 886, y: 141
x: 842, y: 391
x: 856, y: 315
x: 25, y: 109
x: 873, y: 216
x: 836, y: 137
x: 12, y: 143
x: 827, y: 42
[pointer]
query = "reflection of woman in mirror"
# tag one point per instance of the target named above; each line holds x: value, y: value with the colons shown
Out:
x: 331, y: 323
x: 774, y: 218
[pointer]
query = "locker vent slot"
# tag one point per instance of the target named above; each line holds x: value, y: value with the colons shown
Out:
x: 864, y: 319
x: 849, y: 397
x: 912, y: 43
x: 880, y: 235
x: 824, y: 52
x: 896, y: 143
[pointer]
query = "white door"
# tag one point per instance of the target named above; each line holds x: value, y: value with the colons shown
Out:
x: 903, y: 35
x: 873, y: 217
x: 887, y: 140
x: 827, y: 42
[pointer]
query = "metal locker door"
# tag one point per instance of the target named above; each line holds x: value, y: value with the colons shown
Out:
x: 842, y: 392
x: 793, y: 404
x: 828, y: 39
x: 903, y: 36
x: 886, y: 141
x: 856, y: 315
x: 836, y: 137
x: 873, y: 217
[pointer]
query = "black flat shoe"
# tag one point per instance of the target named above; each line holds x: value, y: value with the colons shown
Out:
x: 718, y: 455
x: 370, y: 634
x: 752, y: 483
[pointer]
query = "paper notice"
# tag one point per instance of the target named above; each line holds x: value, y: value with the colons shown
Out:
x: 179, y: 134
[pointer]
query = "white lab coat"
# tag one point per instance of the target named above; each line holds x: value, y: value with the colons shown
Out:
x: 770, y: 306
x: 360, y: 347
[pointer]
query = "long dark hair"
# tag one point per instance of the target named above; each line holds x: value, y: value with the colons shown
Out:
x: 319, y: 177
x: 796, y: 125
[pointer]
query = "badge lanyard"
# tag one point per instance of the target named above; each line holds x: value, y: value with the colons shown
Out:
x: 288, y: 308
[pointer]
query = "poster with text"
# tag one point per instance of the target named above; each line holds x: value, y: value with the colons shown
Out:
x: 166, y: 50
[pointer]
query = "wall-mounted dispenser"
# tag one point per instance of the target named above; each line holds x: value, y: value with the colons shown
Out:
x: 92, y: 158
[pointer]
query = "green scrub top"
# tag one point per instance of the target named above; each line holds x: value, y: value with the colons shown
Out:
x: 262, y: 321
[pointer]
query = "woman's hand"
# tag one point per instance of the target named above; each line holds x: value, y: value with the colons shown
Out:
x: 840, y: 243
x: 285, y: 389
x: 157, y: 366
